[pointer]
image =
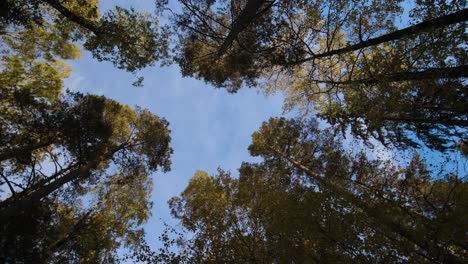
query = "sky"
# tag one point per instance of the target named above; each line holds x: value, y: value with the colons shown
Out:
x: 210, y: 127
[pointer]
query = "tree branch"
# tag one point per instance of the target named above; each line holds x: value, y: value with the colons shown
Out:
x: 73, y: 17
x: 454, y: 18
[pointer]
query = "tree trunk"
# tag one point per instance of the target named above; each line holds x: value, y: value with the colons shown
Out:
x: 429, y: 74
x: 245, y: 18
x: 443, y: 21
x: 14, y: 205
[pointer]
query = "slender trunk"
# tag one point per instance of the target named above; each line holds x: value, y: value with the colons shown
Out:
x: 433, y: 252
x: 37, y: 186
x: 12, y: 190
x: 244, y: 19
x: 443, y: 21
x: 429, y: 74
x: 15, y: 204
x: 12, y: 206
x: 441, y: 121
x: 57, y: 5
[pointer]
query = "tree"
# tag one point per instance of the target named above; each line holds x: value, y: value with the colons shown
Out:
x: 210, y: 208
x: 129, y: 39
x: 24, y: 238
x: 310, y: 201
x: 100, y: 148
x: 114, y: 220
x: 74, y: 233
x: 93, y: 132
x: 415, y: 224
x: 351, y: 62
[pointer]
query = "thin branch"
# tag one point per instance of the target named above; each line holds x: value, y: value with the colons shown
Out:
x: 9, y: 184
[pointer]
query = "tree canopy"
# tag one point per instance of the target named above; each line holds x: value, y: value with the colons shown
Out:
x: 84, y: 149
x: 76, y: 169
x: 129, y: 39
x: 308, y: 201
x: 68, y: 161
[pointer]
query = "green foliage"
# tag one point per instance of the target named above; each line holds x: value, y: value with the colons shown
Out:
x: 309, y: 201
x: 112, y: 222
x: 19, y: 12
x: 69, y: 161
x: 99, y: 149
x: 346, y: 61
x: 76, y: 169
x: 130, y: 40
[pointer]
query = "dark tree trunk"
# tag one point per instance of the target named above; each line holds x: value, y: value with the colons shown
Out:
x: 57, y: 5
x: 23, y: 201
x: 429, y: 74
x: 457, y: 17
x: 14, y: 205
x: 247, y: 15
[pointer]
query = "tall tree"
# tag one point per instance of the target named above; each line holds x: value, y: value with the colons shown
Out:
x: 100, y: 148
x: 354, y: 63
x: 58, y: 231
x: 93, y: 132
x: 326, y: 164
x: 57, y: 149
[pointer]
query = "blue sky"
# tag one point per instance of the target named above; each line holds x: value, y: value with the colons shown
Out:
x: 209, y: 127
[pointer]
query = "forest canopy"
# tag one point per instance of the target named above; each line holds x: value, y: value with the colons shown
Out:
x: 77, y: 169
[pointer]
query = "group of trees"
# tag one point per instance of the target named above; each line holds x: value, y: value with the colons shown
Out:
x: 309, y: 201
x: 364, y: 70
x: 356, y: 64
x: 69, y: 161
x: 129, y: 39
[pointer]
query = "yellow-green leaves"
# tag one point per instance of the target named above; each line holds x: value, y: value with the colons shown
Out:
x: 307, y: 200
x: 129, y: 39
